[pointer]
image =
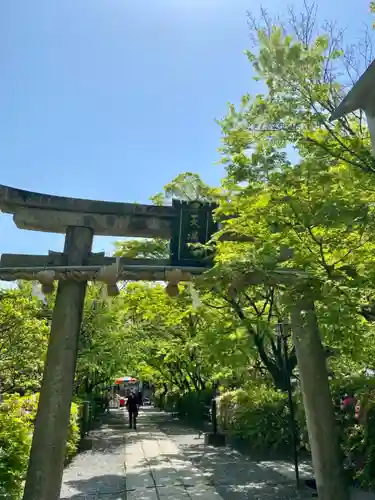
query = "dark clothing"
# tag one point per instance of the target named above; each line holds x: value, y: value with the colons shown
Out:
x: 132, y: 403
x: 133, y: 419
x: 132, y: 406
x: 106, y: 405
x: 107, y: 399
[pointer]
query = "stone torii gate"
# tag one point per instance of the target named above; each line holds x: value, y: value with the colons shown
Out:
x: 181, y: 223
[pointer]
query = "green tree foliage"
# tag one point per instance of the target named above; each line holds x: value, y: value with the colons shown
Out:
x: 187, y: 187
x: 23, y: 341
x: 166, y: 337
x: 24, y: 331
x: 102, y: 347
x: 309, y: 209
x: 142, y: 248
x: 258, y: 414
x: 17, y: 416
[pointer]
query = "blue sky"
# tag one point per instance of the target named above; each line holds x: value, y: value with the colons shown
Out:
x: 110, y: 99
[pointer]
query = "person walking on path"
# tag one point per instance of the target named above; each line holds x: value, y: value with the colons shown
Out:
x: 132, y: 407
x: 107, y: 401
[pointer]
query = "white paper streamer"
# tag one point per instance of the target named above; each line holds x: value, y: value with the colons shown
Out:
x: 195, y: 299
x: 104, y: 297
x: 37, y: 292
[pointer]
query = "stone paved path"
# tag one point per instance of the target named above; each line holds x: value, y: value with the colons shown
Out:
x: 163, y: 460
x: 235, y: 476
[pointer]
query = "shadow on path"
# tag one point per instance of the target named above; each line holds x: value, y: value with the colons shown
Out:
x: 234, y: 475
x: 197, y: 472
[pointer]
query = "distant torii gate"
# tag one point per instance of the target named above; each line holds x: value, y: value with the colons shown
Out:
x: 80, y: 220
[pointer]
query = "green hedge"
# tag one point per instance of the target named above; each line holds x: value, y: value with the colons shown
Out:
x: 17, y: 416
x: 74, y: 432
x: 258, y: 414
x: 192, y: 405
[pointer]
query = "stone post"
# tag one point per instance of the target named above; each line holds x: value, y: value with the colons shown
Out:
x: 46, y: 464
x: 317, y: 399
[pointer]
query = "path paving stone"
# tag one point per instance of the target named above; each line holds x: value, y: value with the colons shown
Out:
x: 142, y: 494
x: 165, y: 461
x: 232, y: 475
x: 99, y: 471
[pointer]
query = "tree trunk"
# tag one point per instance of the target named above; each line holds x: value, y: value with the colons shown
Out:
x: 317, y: 400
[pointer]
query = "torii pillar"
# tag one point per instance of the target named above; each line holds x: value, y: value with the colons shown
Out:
x: 44, y: 474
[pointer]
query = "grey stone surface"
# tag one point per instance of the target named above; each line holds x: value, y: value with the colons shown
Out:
x: 99, y: 472
x: 233, y: 476
x: 142, y: 494
x: 163, y: 460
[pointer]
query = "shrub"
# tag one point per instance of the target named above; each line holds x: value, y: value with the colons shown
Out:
x: 17, y: 416
x: 358, y: 443
x: 258, y: 414
x: 74, y: 434
x: 360, y: 385
x: 170, y: 401
x: 357, y: 384
x: 193, y: 405
x: 357, y: 437
x: 366, y: 473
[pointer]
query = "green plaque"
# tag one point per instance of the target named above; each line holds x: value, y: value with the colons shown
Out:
x: 193, y: 224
